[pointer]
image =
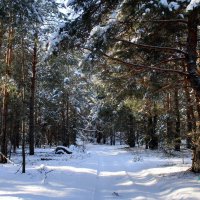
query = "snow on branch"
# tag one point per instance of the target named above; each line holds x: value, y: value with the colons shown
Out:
x: 152, y: 47
x: 193, y: 4
x: 176, y: 5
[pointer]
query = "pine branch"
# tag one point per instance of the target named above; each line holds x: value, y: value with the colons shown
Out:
x: 168, y: 87
x: 153, y: 67
x: 156, y: 48
x: 167, y: 20
x: 122, y: 62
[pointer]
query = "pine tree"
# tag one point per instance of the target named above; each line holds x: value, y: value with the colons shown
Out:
x: 140, y: 35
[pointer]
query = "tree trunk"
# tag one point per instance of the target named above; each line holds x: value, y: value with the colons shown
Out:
x: 4, y: 127
x: 65, y: 121
x: 153, y: 144
x: 170, y: 121
x: 2, y: 32
x: 198, y: 111
x: 16, y: 130
x: 32, y: 100
x: 98, y: 136
x: 4, y: 130
x: 64, y: 132
x: 177, y: 136
x: 131, y: 132
x: 23, y: 110
x: 23, y: 147
x: 190, y: 116
x: 191, y: 57
x: 194, y: 76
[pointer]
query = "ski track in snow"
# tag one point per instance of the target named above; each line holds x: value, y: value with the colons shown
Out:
x: 111, y: 171
x: 104, y: 173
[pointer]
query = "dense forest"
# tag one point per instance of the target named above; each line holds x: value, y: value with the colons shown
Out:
x: 107, y: 72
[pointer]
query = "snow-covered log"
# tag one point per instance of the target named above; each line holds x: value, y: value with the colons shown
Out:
x: 62, y: 150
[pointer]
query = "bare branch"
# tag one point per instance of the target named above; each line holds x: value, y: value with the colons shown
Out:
x: 122, y: 62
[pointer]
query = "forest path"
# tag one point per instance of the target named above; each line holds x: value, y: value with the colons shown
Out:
x: 121, y: 175
x: 113, y: 180
x: 102, y: 173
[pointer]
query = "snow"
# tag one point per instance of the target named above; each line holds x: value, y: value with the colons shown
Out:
x: 98, y: 30
x: 171, y: 6
x: 193, y: 4
x: 164, y: 3
x: 100, y: 172
x: 66, y: 80
x: 147, y: 10
x: 69, y: 2
x: 175, y: 5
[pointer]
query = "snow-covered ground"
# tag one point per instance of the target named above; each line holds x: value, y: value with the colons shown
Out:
x: 101, y: 173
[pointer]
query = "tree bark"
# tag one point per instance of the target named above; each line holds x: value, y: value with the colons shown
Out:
x: 32, y: 100
x: 190, y: 116
x: 170, y: 120
x: 177, y: 138
x: 23, y: 110
x: 198, y: 111
x: 4, y: 126
x: 131, y: 131
x: 16, y: 128
x: 153, y: 139
x: 194, y: 76
x: 65, y: 121
x: 191, y: 57
x: 4, y: 130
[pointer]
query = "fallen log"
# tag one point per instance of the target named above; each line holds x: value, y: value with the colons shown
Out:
x: 46, y: 159
x: 62, y: 150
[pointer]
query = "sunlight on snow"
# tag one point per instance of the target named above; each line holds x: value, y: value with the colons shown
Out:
x: 11, y: 198
x: 39, y: 190
x: 106, y: 172
x: 118, y: 173
x: 30, y: 189
x: 74, y: 169
x: 127, y: 183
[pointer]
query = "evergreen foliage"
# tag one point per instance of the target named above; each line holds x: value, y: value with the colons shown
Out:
x: 104, y: 71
